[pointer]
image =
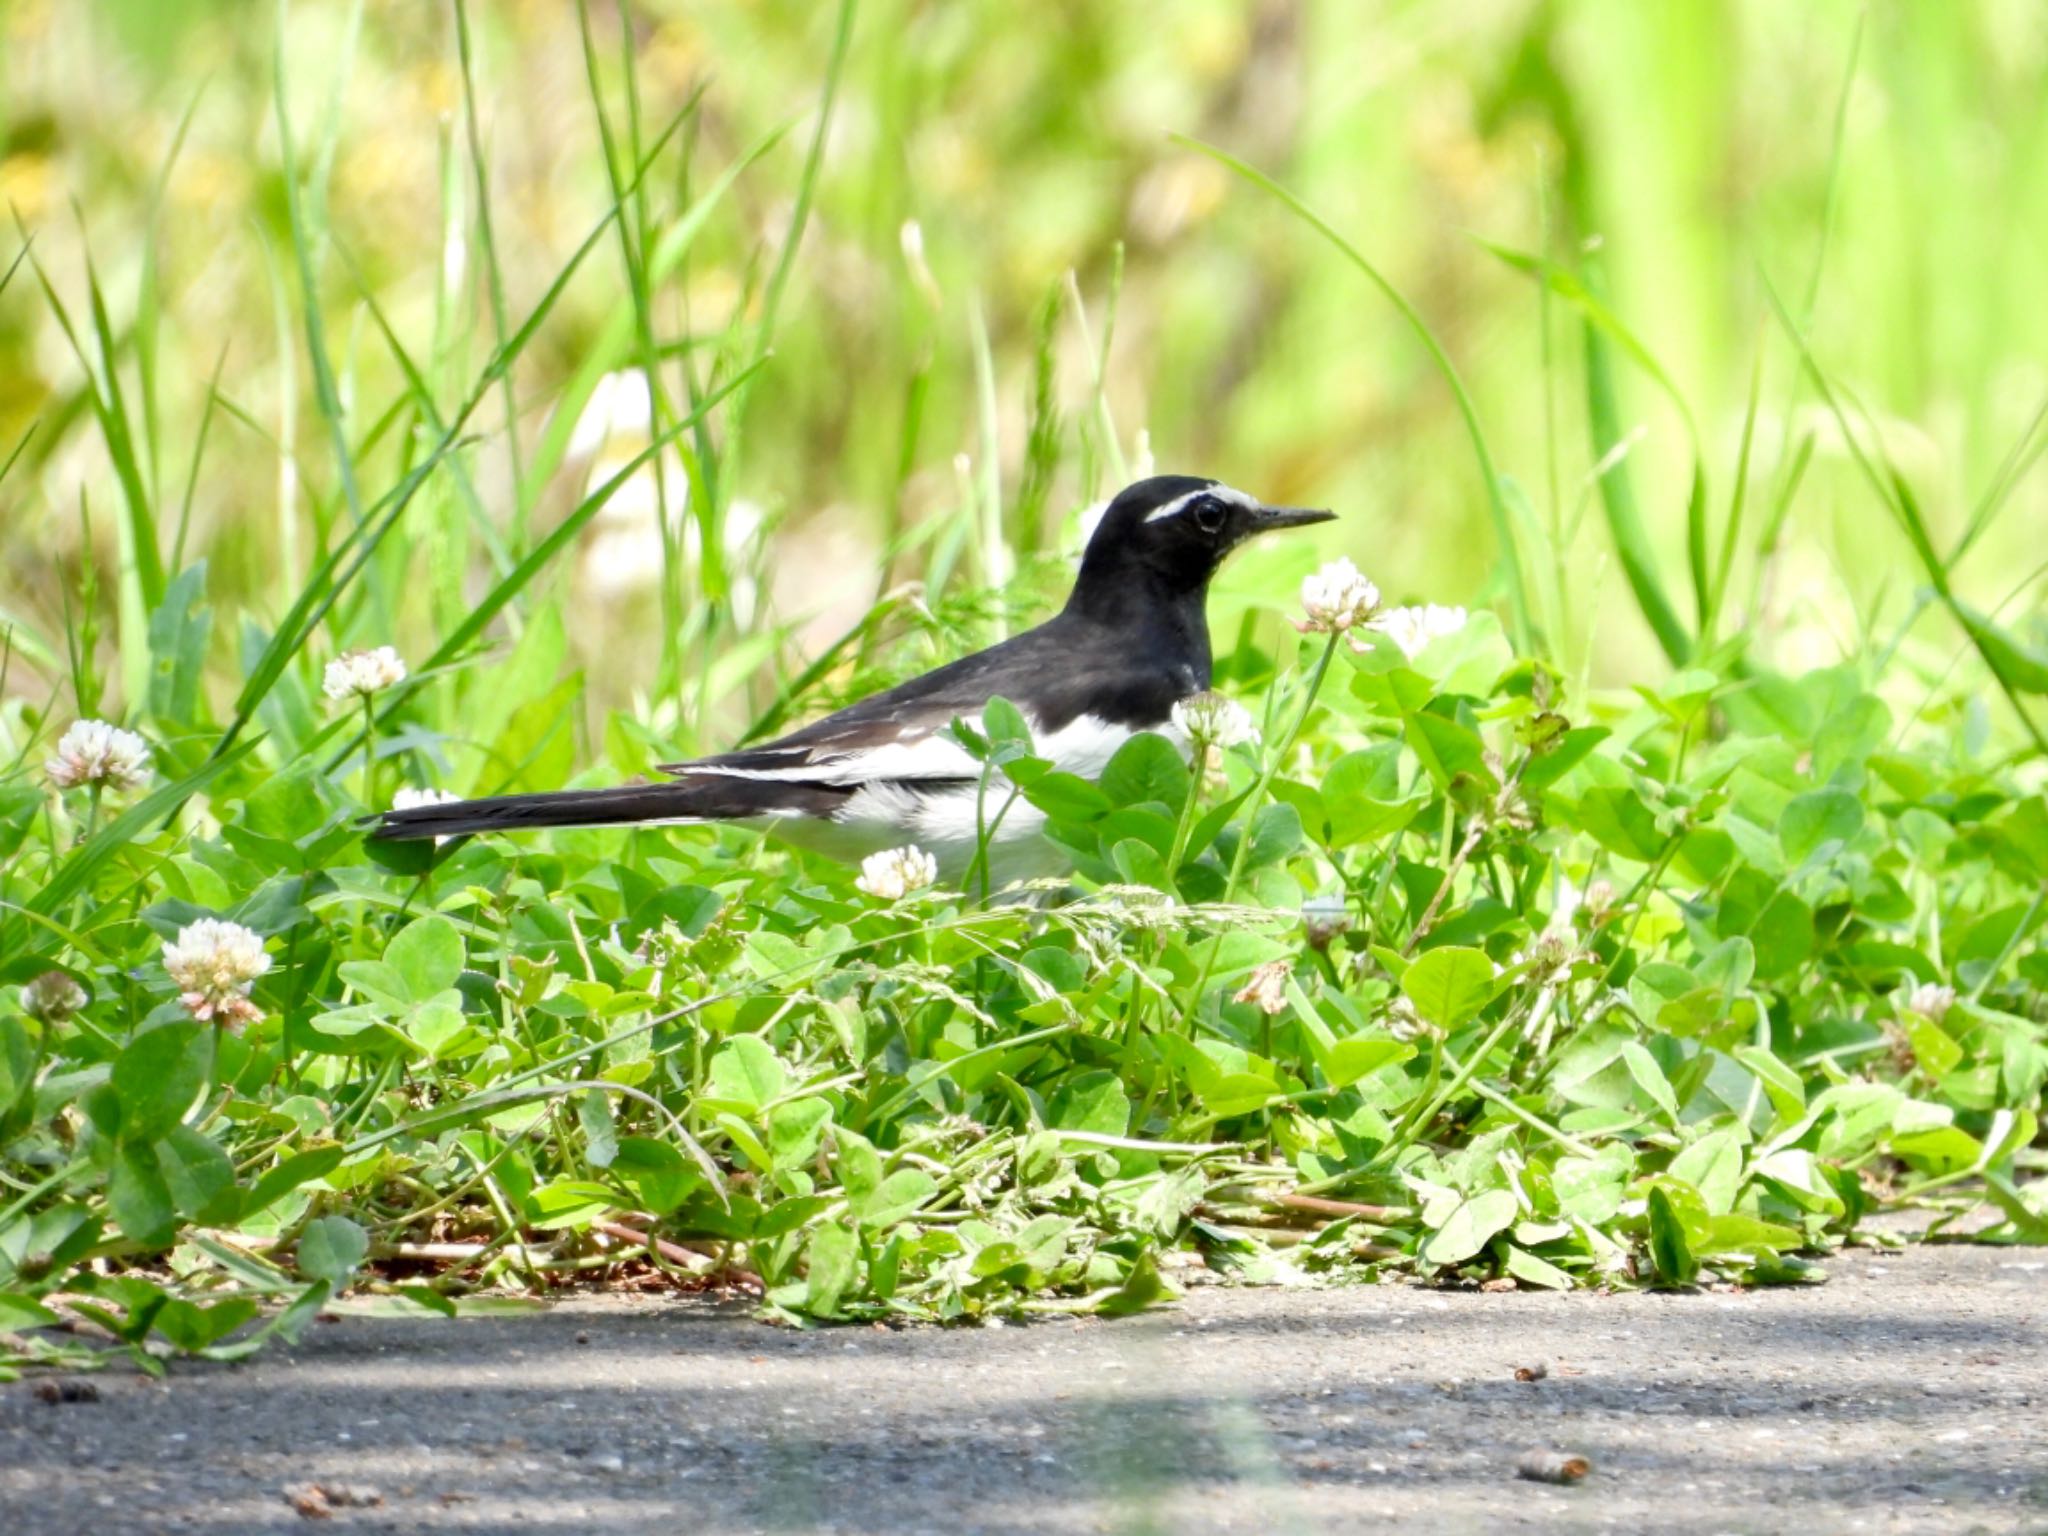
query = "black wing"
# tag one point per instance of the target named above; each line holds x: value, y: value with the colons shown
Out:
x: 1053, y: 674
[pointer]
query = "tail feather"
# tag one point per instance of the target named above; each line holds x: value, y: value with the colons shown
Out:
x: 701, y: 799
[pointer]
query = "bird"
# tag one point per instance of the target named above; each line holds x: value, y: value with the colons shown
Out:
x: 887, y: 771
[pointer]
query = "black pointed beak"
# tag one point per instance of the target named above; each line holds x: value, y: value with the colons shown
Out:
x: 1266, y: 519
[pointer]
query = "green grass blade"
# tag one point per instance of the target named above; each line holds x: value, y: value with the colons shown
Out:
x: 1617, y: 487
x: 1618, y: 501
x: 23, y: 638
x: 632, y: 229
x: 329, y: 580
x: 141, y: 562
x: 326, y: 395
x: 710, y: 505
x: 789, y: 697
x: 119, y: 427
x: 1781, y: 502
x: 571, y: 525
x: 2001, y: 654
x: 1832, y: 200
x: 146, y: 311
x: 198, y: 454
x: 1792, y: 462
x: 283, y: 442
x: 20, y: 443
x: 494, y: 272
x: 2023, y: 664
x: 1696, y: 558
x: 1102, y: 446
x: 807, y: 182
x: 82, y: 631
x: 320, y: 594
x: 1568, y: 286
x: 603, y: 354
x: 422, y: 400
x: 991, y: 548
x: 1731, y: 533
x: 495, y: 601
x: 14, y: 266
x: 2025, y: 453
x: 1511, y: 558
x: 1043, y: 436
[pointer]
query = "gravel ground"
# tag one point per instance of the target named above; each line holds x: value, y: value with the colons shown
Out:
x: 1906, y: 1395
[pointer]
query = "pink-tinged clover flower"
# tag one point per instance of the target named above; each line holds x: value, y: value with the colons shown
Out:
x: 93, y: 752
x: 214, y: 964
x: 1337, y: 598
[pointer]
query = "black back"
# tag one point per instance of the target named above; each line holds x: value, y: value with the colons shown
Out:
x: 1132, y: 640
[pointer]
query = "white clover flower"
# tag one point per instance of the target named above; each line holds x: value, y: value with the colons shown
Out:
x: 94, y: 752
x: 1211, y: 720
x: 1337, y: 598
x: 358, y: 674
x: 214, y: 964
x: 410, y: 799
x: 1931, y: 1001
x: 1266, y: 989
x: 1413, y: 628
x: 894, y: 873
x: 52, y: 997
x: 1403, y: 1022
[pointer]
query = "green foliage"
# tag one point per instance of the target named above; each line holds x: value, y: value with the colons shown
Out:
x: 1651, y: 1021
x: 1458, y: 972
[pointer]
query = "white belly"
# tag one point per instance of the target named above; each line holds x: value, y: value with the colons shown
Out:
x: 950, y: 824
x: 947, y: 826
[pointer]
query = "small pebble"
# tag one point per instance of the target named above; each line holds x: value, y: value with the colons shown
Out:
x: 1552, y: 1466
x: 54, y: 1392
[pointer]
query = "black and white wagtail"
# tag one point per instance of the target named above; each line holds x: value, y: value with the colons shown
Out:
x: 1132, y: 641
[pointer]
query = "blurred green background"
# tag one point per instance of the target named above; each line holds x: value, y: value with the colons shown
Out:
x: 1678, y: 152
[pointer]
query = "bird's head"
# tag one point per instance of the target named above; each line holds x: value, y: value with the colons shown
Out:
x: 1171, y: 532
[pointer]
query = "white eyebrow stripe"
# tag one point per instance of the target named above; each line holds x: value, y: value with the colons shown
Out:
x: 1173, y: 508
x: 1218, y: 490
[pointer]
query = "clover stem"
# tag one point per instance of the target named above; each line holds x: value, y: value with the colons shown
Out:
x: 1184, y: 828
x: 1473, y: 833
x: 1254, y: 803
x: 369, y: 752
x: 1414, y: 1123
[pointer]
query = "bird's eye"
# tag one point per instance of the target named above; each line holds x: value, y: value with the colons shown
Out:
x: 1208, y: 514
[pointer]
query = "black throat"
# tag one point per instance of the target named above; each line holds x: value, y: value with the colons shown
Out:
x: 1162, y: 617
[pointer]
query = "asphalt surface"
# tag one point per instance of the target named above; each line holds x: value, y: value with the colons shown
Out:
x: 1908, y: 1394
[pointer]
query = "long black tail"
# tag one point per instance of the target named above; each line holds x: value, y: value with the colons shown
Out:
x: 704, y: 797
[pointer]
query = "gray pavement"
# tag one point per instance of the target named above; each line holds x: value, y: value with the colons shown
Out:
x: 1908, y: 1394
